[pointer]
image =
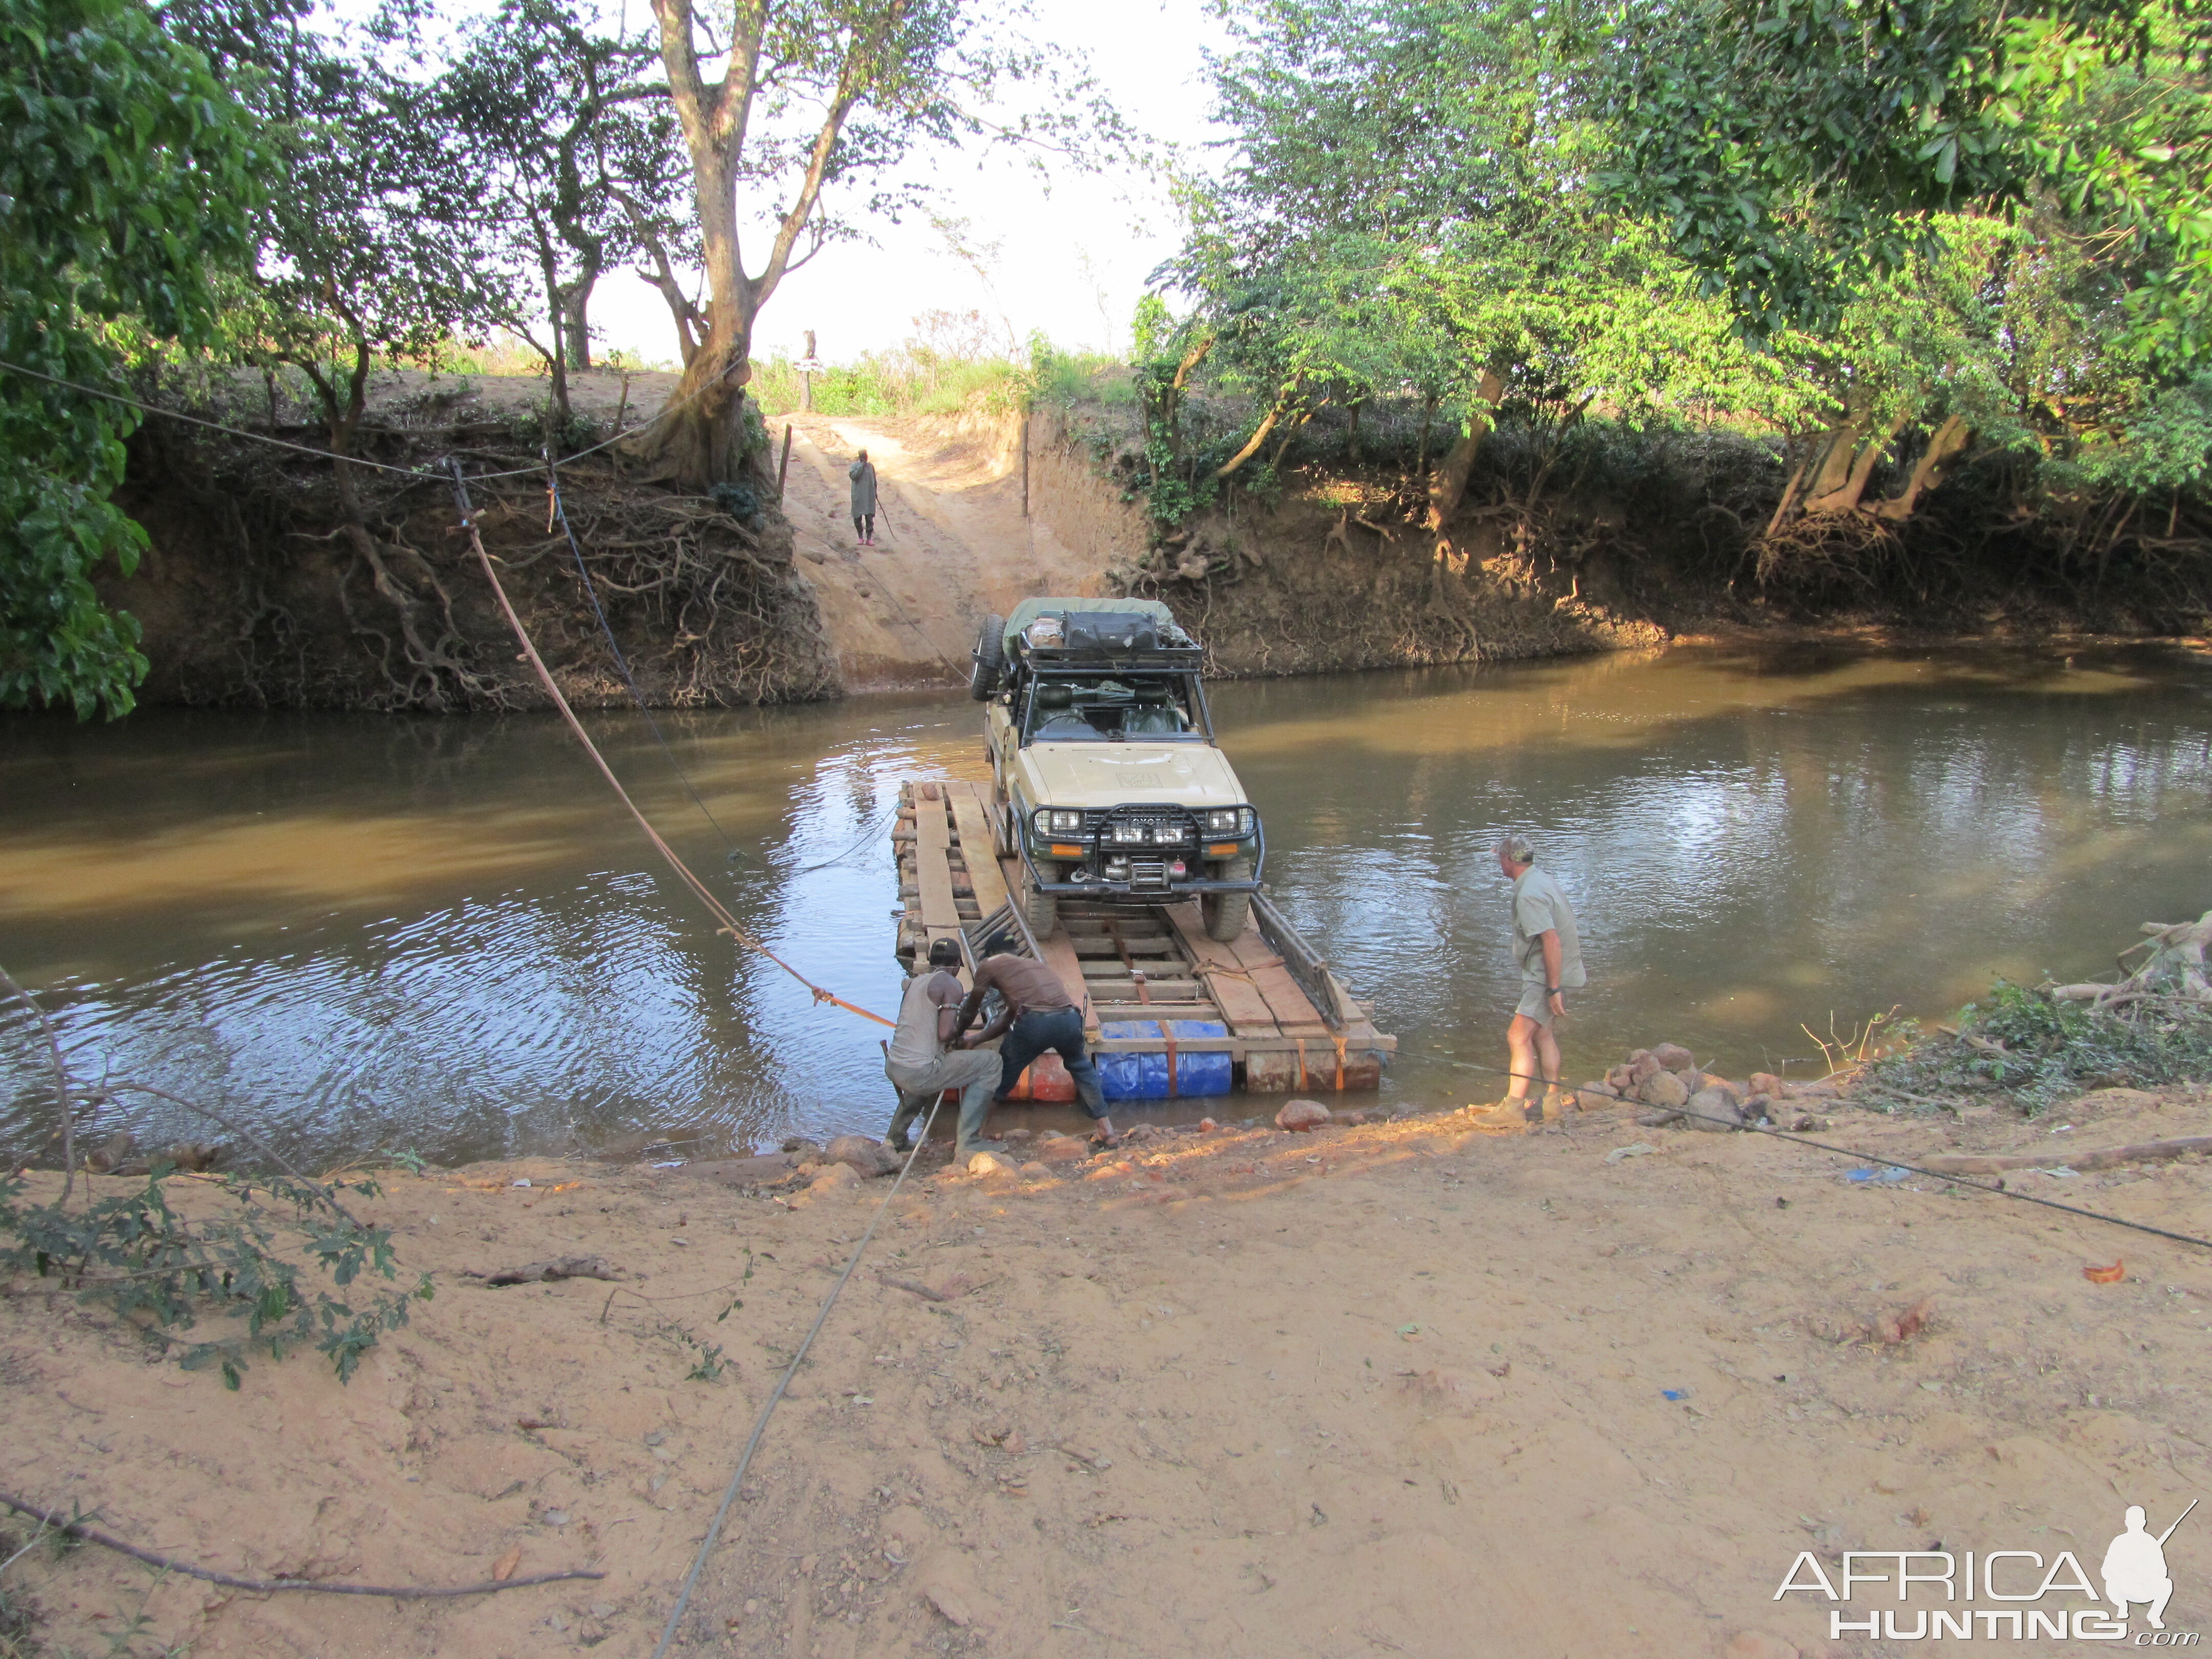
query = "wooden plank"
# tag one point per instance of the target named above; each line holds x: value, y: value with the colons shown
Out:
x: 1286, y: 998
x: 1247, y: 1011
x: 1153, y: 967
x: 940, y: 913
x: 973, y: 822
x: 1059, y: 954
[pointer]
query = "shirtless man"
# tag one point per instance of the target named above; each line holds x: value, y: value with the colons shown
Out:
x: 922, y: 1060
x: 1037, y: 1016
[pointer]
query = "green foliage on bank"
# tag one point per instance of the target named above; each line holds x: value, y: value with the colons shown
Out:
x: 2026, y: 1048
x: 127, y: 180
x: 1889, y: 248
x: 254, y: 1258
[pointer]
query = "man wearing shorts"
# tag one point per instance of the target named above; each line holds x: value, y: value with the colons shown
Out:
x: 1549, y: 954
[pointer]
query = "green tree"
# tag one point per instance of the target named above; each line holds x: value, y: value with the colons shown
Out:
x: 373, y: 249
x: 1797, y: 149
x: 578, y: 152
x: 786, y: 101
x: 1408, y: 212
x: 127, y: 182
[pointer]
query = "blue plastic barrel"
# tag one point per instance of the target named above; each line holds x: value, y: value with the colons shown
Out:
x: 1136, y: 1075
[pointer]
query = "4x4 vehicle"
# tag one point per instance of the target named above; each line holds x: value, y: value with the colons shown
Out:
x: 1109, y: 784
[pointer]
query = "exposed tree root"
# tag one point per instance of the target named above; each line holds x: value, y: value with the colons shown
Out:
x: 274, y: 584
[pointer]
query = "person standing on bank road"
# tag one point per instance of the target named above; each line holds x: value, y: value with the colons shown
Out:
x: 862, y: 472
x: 1038, y: 1015
x: 1547, y: 949
x: 921, y: 1062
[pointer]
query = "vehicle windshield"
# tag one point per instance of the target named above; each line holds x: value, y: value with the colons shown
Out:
x: 1081, y: 710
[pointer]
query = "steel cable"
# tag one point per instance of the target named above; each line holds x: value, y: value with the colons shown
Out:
x: 730, y: 924
x: 775, y: 1397
x: 1869, y: 1158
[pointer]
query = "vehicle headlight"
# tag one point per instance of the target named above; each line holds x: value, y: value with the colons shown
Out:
x: 1228, y: 821
x: 1057, y: 821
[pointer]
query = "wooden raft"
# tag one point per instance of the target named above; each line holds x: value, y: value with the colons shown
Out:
x: 1292, y: 1023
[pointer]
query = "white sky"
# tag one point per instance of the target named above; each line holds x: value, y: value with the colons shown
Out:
x: 858, y: 297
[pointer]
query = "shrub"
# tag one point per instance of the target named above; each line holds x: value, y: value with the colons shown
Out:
x: 2040, y: 1051
x: 163, y: 1271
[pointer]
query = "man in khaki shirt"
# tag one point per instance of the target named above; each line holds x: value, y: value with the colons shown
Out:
x: 1547, y: 950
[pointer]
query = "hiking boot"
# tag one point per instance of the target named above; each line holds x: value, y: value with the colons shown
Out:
x: 1510, y: 1116
x: 1558, y: 1102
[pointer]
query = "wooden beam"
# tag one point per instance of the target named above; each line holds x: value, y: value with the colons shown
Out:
x: 973, y: 820
x: 940, y: 912
x: 1231, y: 989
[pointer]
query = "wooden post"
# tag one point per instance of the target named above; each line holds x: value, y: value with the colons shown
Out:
x: 783, y: 466
x: 1025, y: 463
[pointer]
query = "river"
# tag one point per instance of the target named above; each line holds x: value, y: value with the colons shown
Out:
x: 363, y: 934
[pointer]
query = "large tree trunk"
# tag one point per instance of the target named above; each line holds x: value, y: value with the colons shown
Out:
x: 575, y: 314
x: 1448, y: 485
x: 1847, y: 459
x: 1944, y: 445
x: 1259, y: 436
x: 700, y: 442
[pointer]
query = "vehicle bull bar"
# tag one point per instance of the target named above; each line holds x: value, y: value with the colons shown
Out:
x: 1175, y: 890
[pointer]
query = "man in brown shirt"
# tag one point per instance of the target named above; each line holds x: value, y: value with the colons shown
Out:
x: 1037, y: 1016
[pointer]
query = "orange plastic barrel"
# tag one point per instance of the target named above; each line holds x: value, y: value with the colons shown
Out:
x: 1046, y: 1082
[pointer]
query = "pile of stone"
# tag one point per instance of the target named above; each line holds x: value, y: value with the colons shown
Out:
x: 1667, y: 1081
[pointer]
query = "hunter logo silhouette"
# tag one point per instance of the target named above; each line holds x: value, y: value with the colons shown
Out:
x: 2135, y: 1566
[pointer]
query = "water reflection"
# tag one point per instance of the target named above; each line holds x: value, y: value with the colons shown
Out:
x: 369, y: 933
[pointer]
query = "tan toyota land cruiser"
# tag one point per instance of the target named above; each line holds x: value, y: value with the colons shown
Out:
x: 1109, y: 784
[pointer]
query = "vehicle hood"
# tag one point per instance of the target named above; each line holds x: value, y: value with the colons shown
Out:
x: 1098, y: 775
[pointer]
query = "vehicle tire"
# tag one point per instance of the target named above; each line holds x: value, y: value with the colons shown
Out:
x: 988, y: 659
x: 1225, y: 913
x: 1040, y: 910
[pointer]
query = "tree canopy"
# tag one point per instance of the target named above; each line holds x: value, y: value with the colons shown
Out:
x: 1891, y: 237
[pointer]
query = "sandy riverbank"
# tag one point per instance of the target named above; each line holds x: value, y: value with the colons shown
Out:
x: 1396, y: 1388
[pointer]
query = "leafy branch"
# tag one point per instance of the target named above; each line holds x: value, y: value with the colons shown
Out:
x: 258, y: 1260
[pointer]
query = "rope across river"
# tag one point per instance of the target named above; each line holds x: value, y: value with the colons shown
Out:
x: 728, y: 923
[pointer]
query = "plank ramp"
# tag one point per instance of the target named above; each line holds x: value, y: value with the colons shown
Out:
x: 940, y: 913
x: 978, y: 846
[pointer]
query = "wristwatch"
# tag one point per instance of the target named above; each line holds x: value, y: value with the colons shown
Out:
x: 1551, y: 990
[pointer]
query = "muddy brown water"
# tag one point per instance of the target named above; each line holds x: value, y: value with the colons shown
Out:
x: 365, y: 934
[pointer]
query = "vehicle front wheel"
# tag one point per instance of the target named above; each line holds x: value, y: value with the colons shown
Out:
x: 1040, y: 910
x: 1225, y: 913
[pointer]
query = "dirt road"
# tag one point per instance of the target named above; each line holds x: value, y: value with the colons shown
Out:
x: 1397, y: 1389
x: 951, y: 540
x: 951, y: 545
